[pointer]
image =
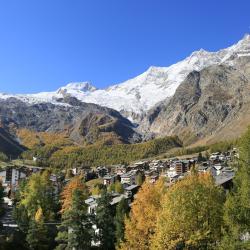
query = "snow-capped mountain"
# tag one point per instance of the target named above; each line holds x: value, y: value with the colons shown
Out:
x: 143, y: 92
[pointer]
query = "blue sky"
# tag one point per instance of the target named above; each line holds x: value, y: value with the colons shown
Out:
x: 45, y: 44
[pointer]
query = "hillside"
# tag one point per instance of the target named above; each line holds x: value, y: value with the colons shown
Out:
x: 95, y: 155
x: 8, y: 145
x: 210, y: 105
x: 81, y: 122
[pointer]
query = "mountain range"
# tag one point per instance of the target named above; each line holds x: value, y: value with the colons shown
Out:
x: 206, y: 95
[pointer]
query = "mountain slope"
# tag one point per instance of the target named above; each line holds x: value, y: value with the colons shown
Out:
x: 210, y: 105
x: 83, y: 123
x: 138, y: 95
x: 8, y: 145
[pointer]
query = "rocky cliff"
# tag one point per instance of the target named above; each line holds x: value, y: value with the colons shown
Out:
x: 210, y: 105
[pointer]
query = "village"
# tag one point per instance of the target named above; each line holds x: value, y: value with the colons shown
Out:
x: 129, y: 178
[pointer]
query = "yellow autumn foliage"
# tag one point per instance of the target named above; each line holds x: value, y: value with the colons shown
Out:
x: 191, y: 215
x: 140, y: 226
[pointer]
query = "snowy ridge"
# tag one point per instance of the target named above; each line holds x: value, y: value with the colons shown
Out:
x: 141, y: 93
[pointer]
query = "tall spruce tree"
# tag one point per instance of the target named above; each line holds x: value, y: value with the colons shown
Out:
x: 1, y: 198
x: 122, y: 211
x: 76, y: 230
x: 105, y: 222
x: 38, y: 237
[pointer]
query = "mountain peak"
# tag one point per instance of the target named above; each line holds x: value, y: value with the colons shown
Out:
x: 199, y: 53
x: 77, y: 87
x: 246, y: 36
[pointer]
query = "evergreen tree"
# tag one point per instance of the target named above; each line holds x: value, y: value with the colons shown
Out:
x: 76, y: 230
x: 200, y: 157
x: 38, y: 237
x: 105, y: 222
x: 139, y: 179
x: 237, y: 206
x: 122, y: 211
x: 1, y: 198
x: 118, y: 187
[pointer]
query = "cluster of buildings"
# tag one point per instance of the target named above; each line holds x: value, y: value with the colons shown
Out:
x: 130, y: 177
x: 11, y: 175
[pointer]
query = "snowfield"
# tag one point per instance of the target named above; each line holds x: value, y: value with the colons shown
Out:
x: 141, y: 93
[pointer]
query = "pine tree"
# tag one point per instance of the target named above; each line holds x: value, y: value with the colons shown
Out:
x: 122, y: 211
x: 200, y: 157
x: 118, y: 187
x: 1, y: 198
x: 105, y: 222
x: 38, y: 236
x: 76, y: 230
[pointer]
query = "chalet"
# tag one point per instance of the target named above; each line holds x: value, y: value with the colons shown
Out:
x: 181, y: 167
x: 120, y: 169
x: 141, y: 165
x: 129, y: 178
x: 109, y: 179
x: 130, y: 191
x: 11, y: 175
x: 91, y: 202
x: 171, y: 172
x: 225, y: 179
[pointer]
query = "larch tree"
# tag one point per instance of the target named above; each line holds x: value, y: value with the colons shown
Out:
x: 140, y: 226
x: 37, y: 194
x: 191, y: 216
x: 67, y: 194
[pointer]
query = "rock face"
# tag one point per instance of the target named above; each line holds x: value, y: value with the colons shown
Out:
x: 77, y: 119
x: 213, y: 104
x: 9, y: 145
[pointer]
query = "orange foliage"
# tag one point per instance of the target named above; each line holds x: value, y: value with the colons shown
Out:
x: 31, y: 138
x: 67, y: 193
x: 140, y: 226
